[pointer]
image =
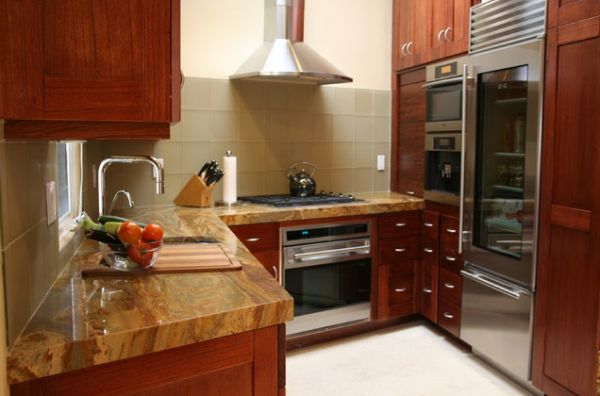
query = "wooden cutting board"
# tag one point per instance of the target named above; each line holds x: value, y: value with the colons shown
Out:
x: 186, y: 257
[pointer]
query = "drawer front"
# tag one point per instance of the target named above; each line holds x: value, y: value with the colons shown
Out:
x: 394, y: 225
x: 258, y: 237
x: 396, y: 250
x: 451, y: 260
x: 430, y: 225
x: 401, y: 290
x: 428, y: 250
x: 449, y: 232
x: 450, y: 287
x: 428, y: 292
x: 449, y: 318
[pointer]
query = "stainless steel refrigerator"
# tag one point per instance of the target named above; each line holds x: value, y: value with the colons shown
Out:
x: 502, y: 132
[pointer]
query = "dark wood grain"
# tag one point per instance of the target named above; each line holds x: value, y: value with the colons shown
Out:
x: 566, y: 331
x: 459, y: 35
x: 450, y: 287
x: 176, y: 72
x: 396, y: 250
x: 281, y: 353
x: 430, y: 225
x: 562, y: 12
x: 449, y: 317
x: 412, y: 25
x: 266, y: 377
x: 428, y: 279
x: 449, y: 232
x: 581, y: 30
x: 441, y: 18
x: 258, y: 236
x: 73, y: 130
x: 399, y: 224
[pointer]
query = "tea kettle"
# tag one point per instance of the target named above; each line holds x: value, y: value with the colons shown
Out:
x: 302, y: 183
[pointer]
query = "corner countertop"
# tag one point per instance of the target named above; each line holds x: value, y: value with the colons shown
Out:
x: 84, y: 322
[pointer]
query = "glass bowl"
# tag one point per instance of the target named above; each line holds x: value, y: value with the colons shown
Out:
x: 137, y: 257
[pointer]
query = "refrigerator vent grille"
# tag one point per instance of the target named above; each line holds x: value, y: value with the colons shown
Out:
x: 499, y: 23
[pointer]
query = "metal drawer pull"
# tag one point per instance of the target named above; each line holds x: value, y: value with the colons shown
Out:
x: 255, y: 239
x: 400, y: 224
x: 448, y: 30
x: 275, y: 272
x: 410, y: 193
x: 403, y: 49
x: 439, y: 35
x: 450, y: 258
x: 400, y: 250
x: 449, y: 285
x: 448, y: 315
x: 426, y: 290
x: 450, y: 230
x: 428, y: 225
x: 401, y: 290
x: 427, y: 250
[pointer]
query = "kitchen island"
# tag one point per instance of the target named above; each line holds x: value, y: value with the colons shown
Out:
x: 87, y: 324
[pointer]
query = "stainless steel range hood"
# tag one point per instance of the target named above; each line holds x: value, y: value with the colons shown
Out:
x: 283, y: 57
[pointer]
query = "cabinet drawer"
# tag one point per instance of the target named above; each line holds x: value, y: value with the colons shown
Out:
x: 428, y: 250
x: 393, y: 225
x: 449, y: 318
x: 449, y: 232
x: 396, y: 250
x: 401, y: 290
x: 258, y: 237
x: 428, y: 291
x: 451, y: 260
x: 430, y: 225
x: 450, y: 287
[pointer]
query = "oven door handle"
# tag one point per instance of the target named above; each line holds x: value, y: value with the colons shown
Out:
x: 334, y: 252
x: 440, y: 83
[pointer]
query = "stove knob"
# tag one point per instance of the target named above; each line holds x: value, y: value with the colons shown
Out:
x: 351, y: 196
x: 331, y: 194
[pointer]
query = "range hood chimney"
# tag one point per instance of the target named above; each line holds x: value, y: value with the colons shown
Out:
x: 283, y: 57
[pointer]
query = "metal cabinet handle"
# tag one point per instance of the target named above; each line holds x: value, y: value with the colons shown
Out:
x: 428, y: 250
x: 400, y: 250
x: 448, y: 30
x: 400, y: 224
x: 403, y: 49
x: 428, y: 225
x: 253, y: 239
x: 451, y: 259
x: 182, y: 78
x: 463, y: 139
x: 426, y: 290
x: 410, y: 193
x: 448, y: 315
x: 408, y: 47
x: 449, y: 285
x: 450, y: 230
x: 439, y: 36
x: 401, y: 290
x: 275, y: 272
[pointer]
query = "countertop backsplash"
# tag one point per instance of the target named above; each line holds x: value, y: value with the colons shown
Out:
x: 268, y: 126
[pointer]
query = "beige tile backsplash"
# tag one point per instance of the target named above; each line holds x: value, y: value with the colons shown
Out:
x: 268, y: 126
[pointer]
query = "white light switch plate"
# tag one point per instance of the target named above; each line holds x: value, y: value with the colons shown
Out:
x: 381, y: 162
x: 51, y: 202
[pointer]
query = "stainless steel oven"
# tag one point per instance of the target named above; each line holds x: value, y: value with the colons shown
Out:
x: 327, y: 270
x: 444, y: 96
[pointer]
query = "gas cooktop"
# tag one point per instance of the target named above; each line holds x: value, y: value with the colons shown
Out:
x: 289, y: 200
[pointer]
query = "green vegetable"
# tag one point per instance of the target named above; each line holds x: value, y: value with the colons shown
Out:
x: 110, y: 227
x: 108, y: 218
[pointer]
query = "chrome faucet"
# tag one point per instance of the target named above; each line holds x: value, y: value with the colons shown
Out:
x: 159, y: 174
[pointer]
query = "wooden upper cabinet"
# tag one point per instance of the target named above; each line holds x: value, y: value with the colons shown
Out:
x: 566, y: 326
x: 80, y: 61
x: 449, y: 28
x: 561, y: 12
x: 411, y: 29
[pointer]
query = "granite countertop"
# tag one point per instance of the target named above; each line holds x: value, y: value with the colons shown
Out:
x: 83, y: 322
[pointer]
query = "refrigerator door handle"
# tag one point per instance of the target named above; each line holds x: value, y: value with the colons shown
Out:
x: 486, y: 281
x: 461, y: 220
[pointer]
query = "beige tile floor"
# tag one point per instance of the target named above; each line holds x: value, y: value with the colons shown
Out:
x: 407, y: 360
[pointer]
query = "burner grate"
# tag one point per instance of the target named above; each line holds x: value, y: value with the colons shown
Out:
x: 289, y: 200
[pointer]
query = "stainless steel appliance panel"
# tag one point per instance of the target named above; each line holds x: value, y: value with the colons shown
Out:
x: 444, y: 95
x: 443, y: 167
x: 496, y: 321
x: 499, y: 219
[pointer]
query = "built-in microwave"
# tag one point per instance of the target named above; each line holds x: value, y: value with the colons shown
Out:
x: 444, y: 92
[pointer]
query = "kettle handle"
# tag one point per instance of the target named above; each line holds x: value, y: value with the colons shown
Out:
x: 293, y: 166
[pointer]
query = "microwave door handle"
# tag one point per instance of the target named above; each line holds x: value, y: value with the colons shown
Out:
x: 439, y: 83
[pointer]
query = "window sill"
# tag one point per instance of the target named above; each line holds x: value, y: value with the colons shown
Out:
x: 67, y: 230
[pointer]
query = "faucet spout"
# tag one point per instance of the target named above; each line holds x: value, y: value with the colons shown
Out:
x: 158, y: 170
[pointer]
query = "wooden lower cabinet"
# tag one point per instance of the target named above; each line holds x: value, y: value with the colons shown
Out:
x: 263, y: 242
x: 243, y: 365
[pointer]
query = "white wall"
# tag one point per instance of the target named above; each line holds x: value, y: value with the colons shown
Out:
x: 354, y: 35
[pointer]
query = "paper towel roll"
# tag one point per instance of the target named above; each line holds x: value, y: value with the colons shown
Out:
x: 229, y: 178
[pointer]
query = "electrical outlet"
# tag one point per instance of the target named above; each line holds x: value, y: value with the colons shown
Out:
x: 51, y: 202
x: 381, y: 163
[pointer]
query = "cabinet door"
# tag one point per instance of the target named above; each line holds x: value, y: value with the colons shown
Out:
x: 441, y: 20
x: 91, y: 60
x: 270, y: 260
x: 561, y: 12
x: 458, y: 36
x: 566, y: 335
x: 411, y: 24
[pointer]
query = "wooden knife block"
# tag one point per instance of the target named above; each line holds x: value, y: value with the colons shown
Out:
x: 195, y: 193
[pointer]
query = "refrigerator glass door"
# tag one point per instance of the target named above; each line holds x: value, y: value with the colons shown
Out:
x: 502, y: 133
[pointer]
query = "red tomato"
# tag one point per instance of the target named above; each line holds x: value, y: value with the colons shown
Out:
x: 129, y: 233
x: 140, y: 253
x: 152, y: 232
